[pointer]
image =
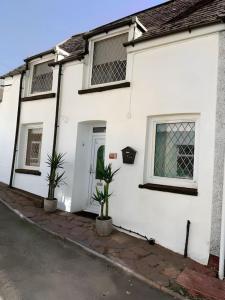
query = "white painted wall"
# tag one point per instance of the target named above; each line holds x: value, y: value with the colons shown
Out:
x: 8, y: 114
x: 35, y: 112
x: 174, y: 78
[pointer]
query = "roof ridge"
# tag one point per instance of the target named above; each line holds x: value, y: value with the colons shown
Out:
x: 190, y: 10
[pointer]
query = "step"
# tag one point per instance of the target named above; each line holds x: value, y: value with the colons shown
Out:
x: 198, y: 284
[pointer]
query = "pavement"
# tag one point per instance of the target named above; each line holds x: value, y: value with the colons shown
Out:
x: 159, y: 267
x: 36, y: 265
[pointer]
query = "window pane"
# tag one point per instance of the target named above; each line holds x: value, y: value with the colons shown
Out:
x: 42, y: 78
x: 34, y: 147
x: 174, y: 150
x: 109, y: 60
x: 100, y: 161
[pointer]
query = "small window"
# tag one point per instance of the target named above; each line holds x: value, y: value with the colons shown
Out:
x: 171, y: 157
x: 109, y: 60
x: 42, y: 78
x: 100, y: 162
x: 33, y: 152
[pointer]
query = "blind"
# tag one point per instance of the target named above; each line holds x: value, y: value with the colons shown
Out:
x: 110, y: 50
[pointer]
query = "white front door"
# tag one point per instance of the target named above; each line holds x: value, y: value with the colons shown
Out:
x: 97, y: 158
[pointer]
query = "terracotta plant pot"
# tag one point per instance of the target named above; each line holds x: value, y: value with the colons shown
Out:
x: 104, y: 227
x: 50, y: 205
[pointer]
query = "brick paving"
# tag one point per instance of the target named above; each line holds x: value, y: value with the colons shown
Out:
x: 164, y: 268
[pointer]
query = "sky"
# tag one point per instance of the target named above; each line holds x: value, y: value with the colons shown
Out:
x: 32, y: 26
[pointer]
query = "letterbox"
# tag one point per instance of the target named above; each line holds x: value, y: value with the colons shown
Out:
x: 128, y: 155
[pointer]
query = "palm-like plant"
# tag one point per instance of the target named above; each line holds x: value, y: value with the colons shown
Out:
x: 55, y: 178
x: 107, y: 175
x: 99, y: 196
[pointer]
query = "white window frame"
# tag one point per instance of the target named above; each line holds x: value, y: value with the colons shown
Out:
x: 30, y: 80
x: 92, y: 42
x: 24, y: 148
x: 149, y: 176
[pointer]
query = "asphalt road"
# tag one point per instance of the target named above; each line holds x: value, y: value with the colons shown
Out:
x: 35, y: 265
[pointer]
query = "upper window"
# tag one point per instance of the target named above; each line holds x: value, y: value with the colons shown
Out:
x: 109, y: 60
x: 172, y: 156
x: 33, y: 151
x: 42, y: 78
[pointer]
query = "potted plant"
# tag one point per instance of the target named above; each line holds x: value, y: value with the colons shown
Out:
x: 104, y: 221
x: 54, y: 179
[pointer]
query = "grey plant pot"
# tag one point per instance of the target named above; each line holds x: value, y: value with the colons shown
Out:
x: 104, y: 227
x: 50, y: 205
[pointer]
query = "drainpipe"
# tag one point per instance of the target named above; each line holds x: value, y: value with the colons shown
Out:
x: 222, y: 237
x: 56, y: 113
x: 17, y: 129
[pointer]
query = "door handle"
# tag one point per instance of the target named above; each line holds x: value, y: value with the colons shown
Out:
x: 91, y: 170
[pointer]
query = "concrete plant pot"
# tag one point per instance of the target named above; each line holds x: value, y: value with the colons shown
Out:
x: 50, y: 205
x: 104, y: 227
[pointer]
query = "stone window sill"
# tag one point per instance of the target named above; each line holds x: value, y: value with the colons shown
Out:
x: 104, y: 88
x: 170, y: 189
x: 28, y: 171
x: 38, y: 97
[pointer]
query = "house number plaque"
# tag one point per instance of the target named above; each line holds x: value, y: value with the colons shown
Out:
x: 112, y: 155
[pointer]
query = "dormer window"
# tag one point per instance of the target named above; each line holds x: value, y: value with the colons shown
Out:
x: 42, y: 78
x: 109, y: 60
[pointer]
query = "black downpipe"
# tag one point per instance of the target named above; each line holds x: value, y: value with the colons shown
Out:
x: 56, y: 115
x: 187, y: 239
x: 17, y: 129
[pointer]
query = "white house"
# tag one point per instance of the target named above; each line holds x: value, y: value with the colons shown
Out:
x: 153, y: 81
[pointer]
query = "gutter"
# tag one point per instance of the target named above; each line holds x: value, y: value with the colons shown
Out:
x: 56, y: 125
x: 109, y: 27
x: 17, y: 129
x: 68, y: 59
x: 219, y: 20
x: 51, y: 51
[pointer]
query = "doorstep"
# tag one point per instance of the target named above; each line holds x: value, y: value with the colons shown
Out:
x: 159, y: 267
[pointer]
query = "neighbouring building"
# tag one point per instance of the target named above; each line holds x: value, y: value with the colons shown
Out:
x: 153, y: 81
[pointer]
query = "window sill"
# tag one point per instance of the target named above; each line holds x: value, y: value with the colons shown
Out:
x: 104, y: 88
x: 28, y: 171
x: 39, y: 97
x: 170, y: 189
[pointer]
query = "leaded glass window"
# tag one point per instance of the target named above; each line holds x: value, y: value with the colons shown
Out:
x: 42, y: 78
x: 174, y: 150
x: 109, y: 60
x: 33, y: 153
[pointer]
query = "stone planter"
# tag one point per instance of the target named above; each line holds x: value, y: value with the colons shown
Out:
x: 104, y: 227
x: 50, y: 205
x: 39, y: 202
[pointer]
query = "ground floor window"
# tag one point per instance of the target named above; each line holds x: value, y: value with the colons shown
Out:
x: 171, y: 151
x: 30, y: 146
x: 33, y: 153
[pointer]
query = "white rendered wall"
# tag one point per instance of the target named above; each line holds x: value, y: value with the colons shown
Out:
x: 171, y: 79
x: 8, y: 115
x: 34, y: 112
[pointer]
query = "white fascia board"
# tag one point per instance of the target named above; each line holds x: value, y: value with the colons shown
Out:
x: 61, y: 51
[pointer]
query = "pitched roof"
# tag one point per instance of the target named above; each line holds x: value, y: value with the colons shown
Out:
x: 200, y: 13
x: 164, y: 19
x: 14, y: 72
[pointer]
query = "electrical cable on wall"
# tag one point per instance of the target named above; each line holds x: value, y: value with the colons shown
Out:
x: 151, y: 241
